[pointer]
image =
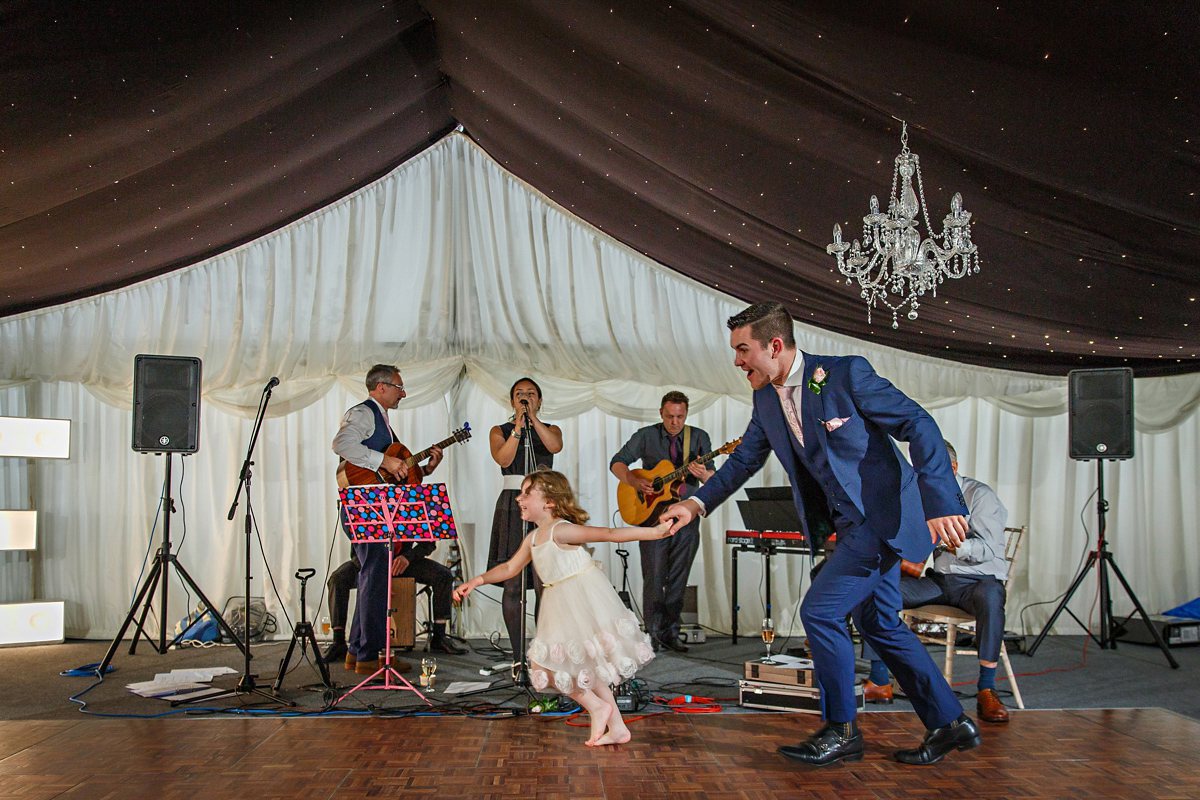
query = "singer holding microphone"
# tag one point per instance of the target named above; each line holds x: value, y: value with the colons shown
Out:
x: 511, y: 448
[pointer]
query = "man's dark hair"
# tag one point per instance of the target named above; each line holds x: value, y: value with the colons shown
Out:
x: 673, y: 397
x: 380, y: 373
x: 767, y: 321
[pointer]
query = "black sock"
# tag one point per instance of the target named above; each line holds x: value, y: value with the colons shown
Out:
x: 439, y: 631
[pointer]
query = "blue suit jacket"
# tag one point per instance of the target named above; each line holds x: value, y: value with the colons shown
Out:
x: 859, y: 469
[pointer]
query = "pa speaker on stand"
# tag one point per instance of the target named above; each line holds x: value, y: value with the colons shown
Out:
x: 1100, y: 428
x: 166, y: 420
x: 1100, y: 413
x: 166, y: 404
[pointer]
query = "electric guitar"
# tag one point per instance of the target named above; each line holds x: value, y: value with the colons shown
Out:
x: 350, y: 475
x: 644, y: 508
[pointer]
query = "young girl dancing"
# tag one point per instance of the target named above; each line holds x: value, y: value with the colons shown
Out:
x: 586, y: 639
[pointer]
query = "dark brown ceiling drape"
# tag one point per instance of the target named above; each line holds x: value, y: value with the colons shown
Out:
x: 723, y: 139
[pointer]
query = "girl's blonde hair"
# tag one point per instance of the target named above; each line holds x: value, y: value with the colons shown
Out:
x: 555, y: 487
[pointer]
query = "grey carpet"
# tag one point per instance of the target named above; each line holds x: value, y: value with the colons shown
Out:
x: 1131, y: 676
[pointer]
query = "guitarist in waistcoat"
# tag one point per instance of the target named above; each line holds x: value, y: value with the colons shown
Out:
x: 666, y: 562
x: 361, y: 440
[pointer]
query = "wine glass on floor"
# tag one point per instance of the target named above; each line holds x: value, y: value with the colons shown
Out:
x: 768, y: 636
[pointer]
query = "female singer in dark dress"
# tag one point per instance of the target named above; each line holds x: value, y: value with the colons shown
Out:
x: 508, y: 449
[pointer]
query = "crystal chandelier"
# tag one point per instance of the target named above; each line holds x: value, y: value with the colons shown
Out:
x: 893, y: 265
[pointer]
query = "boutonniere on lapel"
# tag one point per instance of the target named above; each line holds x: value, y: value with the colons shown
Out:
x: 817, y: 382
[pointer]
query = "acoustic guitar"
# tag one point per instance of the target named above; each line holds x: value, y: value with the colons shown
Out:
x: 350, y: 475
x: 642, y: 508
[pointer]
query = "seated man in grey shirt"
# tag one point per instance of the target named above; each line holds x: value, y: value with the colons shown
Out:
x: 970, y: 577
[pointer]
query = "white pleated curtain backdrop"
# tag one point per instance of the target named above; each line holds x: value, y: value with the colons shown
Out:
x: 467, y: 279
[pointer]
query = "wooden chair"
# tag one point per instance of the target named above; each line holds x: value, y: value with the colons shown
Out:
x: 955, y: 619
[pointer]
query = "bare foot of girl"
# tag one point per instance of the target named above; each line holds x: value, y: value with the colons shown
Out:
x: 599, y: 715
x: 618, y: 733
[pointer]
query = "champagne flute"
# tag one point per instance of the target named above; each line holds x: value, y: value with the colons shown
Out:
x: 428, y: 671
x: 768, y: 636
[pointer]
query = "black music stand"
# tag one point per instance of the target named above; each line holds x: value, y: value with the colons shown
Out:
x: 386, y: 514
x: 770, y: 508
x: 304, y: 634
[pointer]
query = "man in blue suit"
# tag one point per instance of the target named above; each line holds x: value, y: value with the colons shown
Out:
x: 828, y: 419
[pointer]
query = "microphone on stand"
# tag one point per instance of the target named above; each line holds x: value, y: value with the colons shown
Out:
x: 271, y: 384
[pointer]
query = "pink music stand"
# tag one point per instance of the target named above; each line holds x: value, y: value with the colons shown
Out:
x: 386, y: 514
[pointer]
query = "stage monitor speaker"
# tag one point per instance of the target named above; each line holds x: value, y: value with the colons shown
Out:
x: 1100, y: 413
x: 166, y: 404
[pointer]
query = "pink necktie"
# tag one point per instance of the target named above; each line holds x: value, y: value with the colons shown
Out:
x: 786, y: 400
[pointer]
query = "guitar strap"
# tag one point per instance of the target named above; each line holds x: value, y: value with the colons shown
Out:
x: 687, y: 444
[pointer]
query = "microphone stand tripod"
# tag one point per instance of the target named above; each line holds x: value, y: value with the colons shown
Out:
x: 247, y: 685
x: 520, y: 665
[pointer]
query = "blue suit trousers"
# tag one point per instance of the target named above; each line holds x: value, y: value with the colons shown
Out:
x: 861, y: 578
x: 368, y: 626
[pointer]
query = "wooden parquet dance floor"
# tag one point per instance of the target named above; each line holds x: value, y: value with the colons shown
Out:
x: 1120, y: 753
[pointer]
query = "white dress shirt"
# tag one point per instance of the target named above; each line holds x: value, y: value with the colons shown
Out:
x: 357, y: 425
x: 794, y: 379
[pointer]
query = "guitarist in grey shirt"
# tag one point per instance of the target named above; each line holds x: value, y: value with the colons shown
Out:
x: 666, y: 562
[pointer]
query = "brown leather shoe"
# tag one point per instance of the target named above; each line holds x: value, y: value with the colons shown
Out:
x: 989, y: 707
x: 367, y: 667
x: 874, y: 693
x: 351, y: 661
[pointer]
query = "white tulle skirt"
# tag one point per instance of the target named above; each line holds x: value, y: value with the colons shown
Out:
x: 585, y: 636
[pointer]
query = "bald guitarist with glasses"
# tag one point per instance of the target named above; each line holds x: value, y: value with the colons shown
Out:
x: 666, y: 562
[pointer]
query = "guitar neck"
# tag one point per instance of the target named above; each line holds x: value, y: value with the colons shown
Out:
x: 704, y: 459
x: 416, y: 458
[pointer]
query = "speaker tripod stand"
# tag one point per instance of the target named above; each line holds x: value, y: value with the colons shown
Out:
x: 1103, y: 560
x: 305, y: 635
x: 159, y: 577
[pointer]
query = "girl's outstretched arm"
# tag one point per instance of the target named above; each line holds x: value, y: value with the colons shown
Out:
x: 579, y: 534
x: 499, y: 573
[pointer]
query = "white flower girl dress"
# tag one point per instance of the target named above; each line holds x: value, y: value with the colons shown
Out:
x: 585, y: 635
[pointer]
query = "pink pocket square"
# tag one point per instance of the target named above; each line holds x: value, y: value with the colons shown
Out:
x: 835, y: 423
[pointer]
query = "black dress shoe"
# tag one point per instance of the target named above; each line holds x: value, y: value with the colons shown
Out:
x: 833, y: 743
x: 961, y: 734
x: 446, y: 646
x: 336, y: 652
